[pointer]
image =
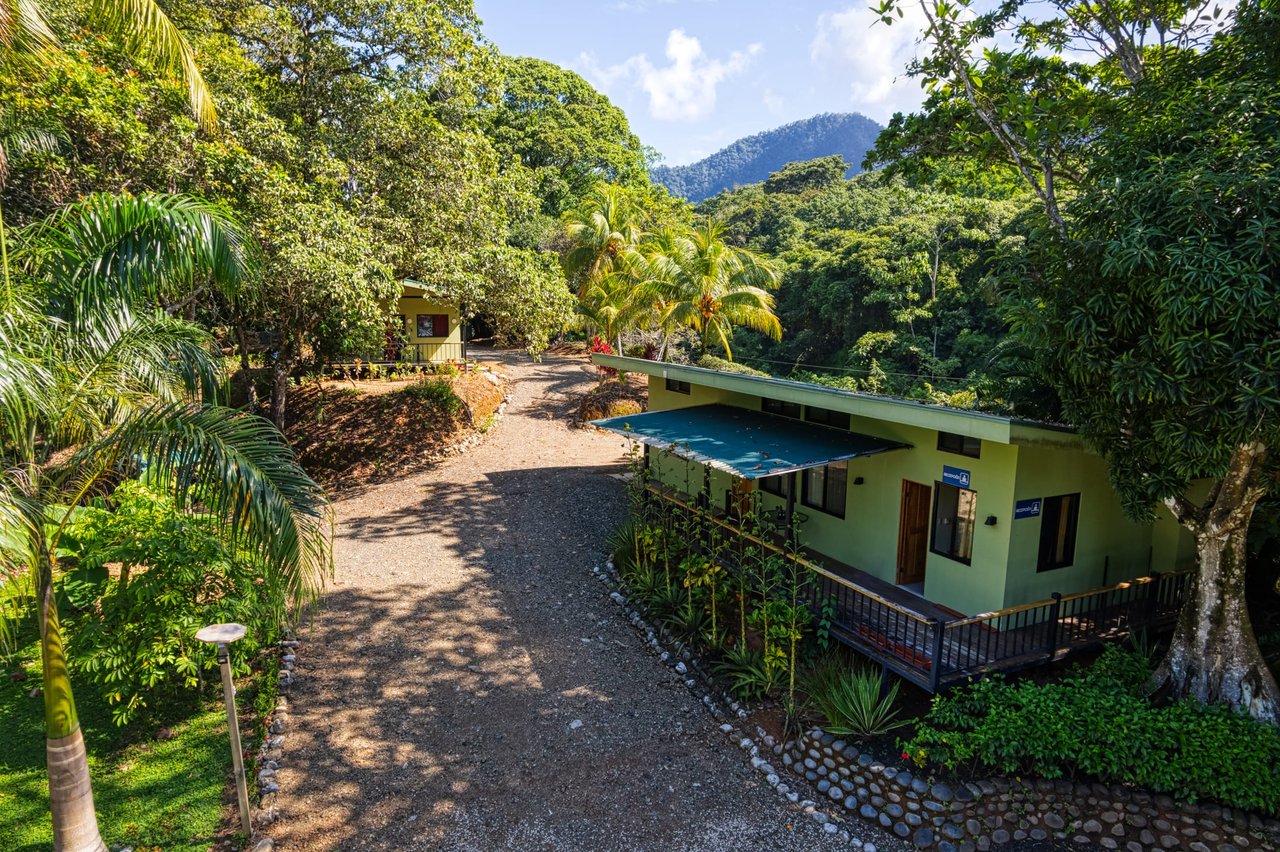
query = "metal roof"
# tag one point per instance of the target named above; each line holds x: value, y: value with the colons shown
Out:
x: 975, y: 424
x: 745, y: 443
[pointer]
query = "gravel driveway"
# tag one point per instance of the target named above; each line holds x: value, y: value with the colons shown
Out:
x: 463, y: 635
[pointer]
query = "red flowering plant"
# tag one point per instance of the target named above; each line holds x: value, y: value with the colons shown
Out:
x: 600, y: 346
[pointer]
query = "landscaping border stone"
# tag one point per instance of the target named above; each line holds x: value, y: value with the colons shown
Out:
x: 996, y: 811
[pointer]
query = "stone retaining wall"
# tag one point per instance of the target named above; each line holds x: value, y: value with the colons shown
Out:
x: 977, y: 816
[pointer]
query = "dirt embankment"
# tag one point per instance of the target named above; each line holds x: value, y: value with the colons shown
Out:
x: 349, y: 434
x: 613, y: 398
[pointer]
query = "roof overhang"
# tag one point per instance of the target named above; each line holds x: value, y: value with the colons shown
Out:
x: 745, y: 443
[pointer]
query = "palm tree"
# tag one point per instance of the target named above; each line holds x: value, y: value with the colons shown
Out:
x: 604, y: 229
x: 705, y: 284
x: 96, y: 385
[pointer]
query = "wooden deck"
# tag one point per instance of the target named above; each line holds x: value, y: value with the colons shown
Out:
x: 933, y: 647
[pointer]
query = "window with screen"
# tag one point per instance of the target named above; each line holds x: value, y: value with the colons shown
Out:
x: 432, y: 325
x: 1058, y: 519
x: 827, y: 417
x: 777, y: 406
x: 949, y: 442
x: 677, y: 386
x: 824, y: 488
x: 955, y: 510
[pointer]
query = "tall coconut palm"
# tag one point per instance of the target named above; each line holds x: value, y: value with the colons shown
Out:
x: 95, y: 385
x: 603, y: 229
x: 707, y: 285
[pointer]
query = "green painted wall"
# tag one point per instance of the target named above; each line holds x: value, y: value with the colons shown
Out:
x: 1109, y: 547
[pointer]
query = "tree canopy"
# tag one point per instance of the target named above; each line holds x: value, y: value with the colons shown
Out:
x: 565, y: 132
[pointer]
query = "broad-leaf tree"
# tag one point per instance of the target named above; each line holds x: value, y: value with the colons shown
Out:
x: 1157, y: 323
x: 1150, y: 303
x: 565, y: 132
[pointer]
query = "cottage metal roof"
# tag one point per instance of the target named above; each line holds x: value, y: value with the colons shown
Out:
x: 745, y: 443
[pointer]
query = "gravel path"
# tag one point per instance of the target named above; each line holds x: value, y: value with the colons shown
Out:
x: 463, y: 635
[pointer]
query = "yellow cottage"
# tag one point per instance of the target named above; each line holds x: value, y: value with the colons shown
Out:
x: 427, y: 328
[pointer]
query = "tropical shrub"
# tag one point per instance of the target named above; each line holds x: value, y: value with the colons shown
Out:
x: 746, y: 674
x: 851, y: 700
x: 711, y: 362
x: 147, y: 575
x: 438, y: 393
x: 1099, y: 722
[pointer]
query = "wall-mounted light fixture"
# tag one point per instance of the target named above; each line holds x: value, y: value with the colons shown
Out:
x: 990, y: 521
x: 858, y: 480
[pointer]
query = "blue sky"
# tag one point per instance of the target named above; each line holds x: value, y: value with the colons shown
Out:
x: 694, y: 75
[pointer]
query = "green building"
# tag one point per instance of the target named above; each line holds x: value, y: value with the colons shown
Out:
x: 974, y: 513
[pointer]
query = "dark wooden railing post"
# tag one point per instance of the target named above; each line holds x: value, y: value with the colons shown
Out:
x: 1153, y: 601
x: 935, y: 670
x: 1055, y: 610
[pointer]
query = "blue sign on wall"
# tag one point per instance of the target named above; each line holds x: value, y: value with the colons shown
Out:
x: 1026, y: 509
x: 955, y: 476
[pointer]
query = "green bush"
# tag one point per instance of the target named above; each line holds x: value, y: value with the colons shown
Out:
x: 437, y: 393
x: 132, y: 628
x: 711, y: 362
x: 1098, y: 722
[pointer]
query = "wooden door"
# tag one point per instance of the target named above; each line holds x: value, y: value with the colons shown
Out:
x: 913, y: 532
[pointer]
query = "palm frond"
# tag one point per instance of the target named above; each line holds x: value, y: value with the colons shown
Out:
x: 148, y: 31
x: 239, y: 467
x: 26, y: 372
x: 23, y: 30
x: 110, y: 248
x: 119, y: 360
x: 19, y: 142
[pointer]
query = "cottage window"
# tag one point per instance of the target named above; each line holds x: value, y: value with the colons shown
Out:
x: 432, y: 325
x: 827, y: 417
x: 777, y: 406
x: 677, y: 386
x: 954, y: 514
x: 949, y: 442
x: 1058, y: 519
x: 824, y: 488
x: 779, y: 485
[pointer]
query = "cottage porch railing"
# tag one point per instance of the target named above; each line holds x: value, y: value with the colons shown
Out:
x: 934, y: 652
x: 409, y: 354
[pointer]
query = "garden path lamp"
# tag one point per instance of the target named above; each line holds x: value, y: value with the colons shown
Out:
x: 223, y: 635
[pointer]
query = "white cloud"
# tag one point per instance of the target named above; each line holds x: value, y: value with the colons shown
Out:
x: 872, y: 56
x: 682, y: 90
x: 772, y: 101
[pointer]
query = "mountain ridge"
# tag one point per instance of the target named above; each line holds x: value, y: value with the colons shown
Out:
x: 753, y: 158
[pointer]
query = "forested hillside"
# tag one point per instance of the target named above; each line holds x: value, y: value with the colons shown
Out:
x: 751, y: 160
x: 886, y: 287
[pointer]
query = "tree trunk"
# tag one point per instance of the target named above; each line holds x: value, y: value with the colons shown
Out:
x: 75, y: 823
x: 250, y: 388
x: 279, y: 389
x: 1213, y: 656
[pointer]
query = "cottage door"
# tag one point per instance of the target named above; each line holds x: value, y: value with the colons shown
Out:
x: 913, y: 532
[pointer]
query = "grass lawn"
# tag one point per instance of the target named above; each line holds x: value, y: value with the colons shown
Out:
x: 150, y: 793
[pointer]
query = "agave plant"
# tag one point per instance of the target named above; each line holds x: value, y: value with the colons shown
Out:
x: 852, y: 701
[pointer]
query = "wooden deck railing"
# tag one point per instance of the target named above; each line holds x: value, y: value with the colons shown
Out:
x: 933, y: 652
